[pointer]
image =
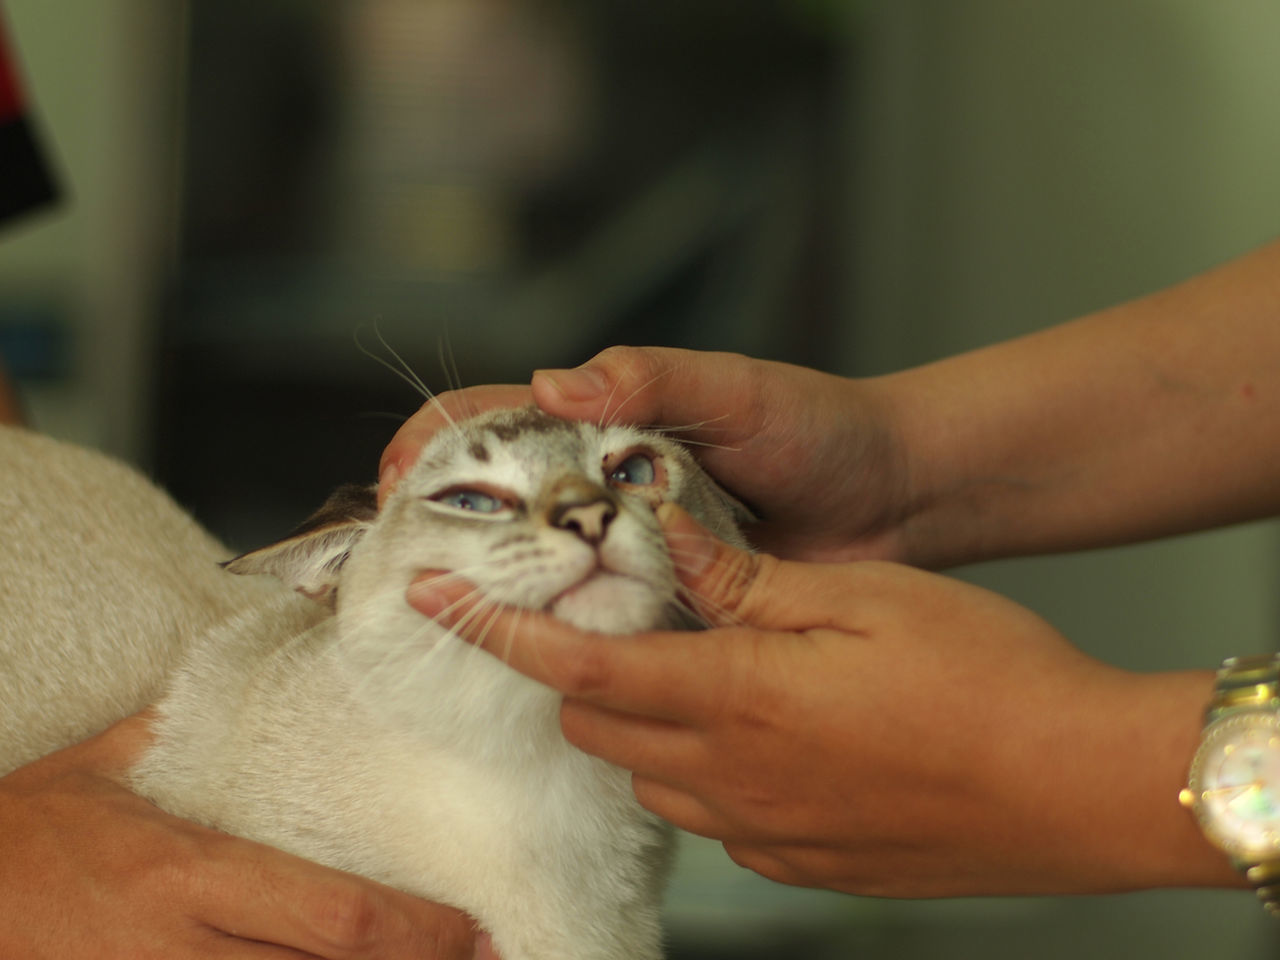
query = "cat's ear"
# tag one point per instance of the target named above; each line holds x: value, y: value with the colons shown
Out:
x: 310, y: 559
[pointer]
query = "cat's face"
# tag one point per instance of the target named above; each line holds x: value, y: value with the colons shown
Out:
x: 538, y: 513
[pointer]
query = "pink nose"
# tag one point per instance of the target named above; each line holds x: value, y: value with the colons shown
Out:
x: 589, y: 520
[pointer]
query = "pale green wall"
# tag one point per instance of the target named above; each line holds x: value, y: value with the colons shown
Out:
x: 1015, y: 163
x: 102, y: 75
x: 1025, y: 162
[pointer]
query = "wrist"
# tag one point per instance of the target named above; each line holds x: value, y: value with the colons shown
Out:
x: 933, y: 499
x: 1141, y: 748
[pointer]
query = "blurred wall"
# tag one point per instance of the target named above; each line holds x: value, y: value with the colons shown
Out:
x: 1020, y: 164
x: 103, y: 77
x: 1003, y: 165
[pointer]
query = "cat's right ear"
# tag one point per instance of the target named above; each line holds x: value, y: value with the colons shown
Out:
x: 310, y: 559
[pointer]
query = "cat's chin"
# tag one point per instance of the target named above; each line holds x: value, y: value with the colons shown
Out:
x: 610, y: 603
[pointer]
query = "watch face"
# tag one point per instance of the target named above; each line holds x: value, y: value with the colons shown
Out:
x: 1234, y: 787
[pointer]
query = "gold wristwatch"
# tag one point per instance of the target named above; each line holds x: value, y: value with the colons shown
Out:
x: 1234, y: 785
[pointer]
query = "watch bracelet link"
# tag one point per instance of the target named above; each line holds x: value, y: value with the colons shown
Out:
x: 1265, y: 878
x: 1251, y: 683
x: 1246, y: 682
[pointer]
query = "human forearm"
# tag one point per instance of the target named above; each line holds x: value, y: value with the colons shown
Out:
x: 1104, y: 815
x: 1155, y: 417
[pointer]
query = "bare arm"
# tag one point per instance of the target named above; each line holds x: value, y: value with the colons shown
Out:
x: 1154, y: 417
x: 89, y: 870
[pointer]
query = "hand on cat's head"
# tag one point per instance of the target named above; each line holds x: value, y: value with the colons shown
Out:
x: 413, y: 434
x: 817, y: 457
x: 619, y: 385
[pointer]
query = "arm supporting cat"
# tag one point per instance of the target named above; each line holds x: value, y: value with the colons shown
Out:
x: 89, y: 869
x: 875, y: 729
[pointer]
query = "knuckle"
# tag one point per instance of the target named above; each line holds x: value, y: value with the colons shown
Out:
x: 626, y: 361
x: 347, y: 917
x: 734, y: 580
x: 588, y: 672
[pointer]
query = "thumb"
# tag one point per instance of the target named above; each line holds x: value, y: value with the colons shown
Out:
x: 731, y: 587
x: 725, y: 585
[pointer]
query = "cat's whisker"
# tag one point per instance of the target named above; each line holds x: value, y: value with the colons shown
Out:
x: 708, y: 611
x: 400, y: 368
x: 604, y: 411
x: 688, y: 427
x: 689, y: 442
x: 481, y: 606
x: 405, y: 372
x: 448, y: 361
x: 496, y: 612
x: 607, y: 419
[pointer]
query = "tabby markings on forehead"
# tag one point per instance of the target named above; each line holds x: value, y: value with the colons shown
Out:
x: 437, y: 461
x: 479, y: 451
x: 525, y: 421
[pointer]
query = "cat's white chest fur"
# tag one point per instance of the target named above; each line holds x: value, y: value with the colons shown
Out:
x: 370, y: 739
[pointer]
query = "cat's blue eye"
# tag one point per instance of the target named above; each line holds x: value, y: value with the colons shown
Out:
x: 476, y: 501
x: 637, y: 470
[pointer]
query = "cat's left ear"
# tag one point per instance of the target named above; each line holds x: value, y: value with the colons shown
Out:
x: 310, y: 559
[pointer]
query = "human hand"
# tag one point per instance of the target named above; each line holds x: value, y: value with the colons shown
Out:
x: 875, y: 729
x: 434, y: 415
x: 89, y: 870
x: 813, y: 454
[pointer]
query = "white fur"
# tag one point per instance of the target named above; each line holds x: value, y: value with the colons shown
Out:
x: 370, y: 740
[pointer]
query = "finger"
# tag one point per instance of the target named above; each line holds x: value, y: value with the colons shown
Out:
x: 764, y: 861
x: 113, y: 752
x: 679, y: 808
x: 730, y: 587
x: 654, y: 749
x: 484, y: 948
x: 657, y: 675
x: 261, y: 894
x: 657, y: 386
x: 225, y: 947
x: 443, y: 410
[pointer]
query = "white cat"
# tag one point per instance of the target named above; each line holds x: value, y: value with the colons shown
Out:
x: 342, y: 725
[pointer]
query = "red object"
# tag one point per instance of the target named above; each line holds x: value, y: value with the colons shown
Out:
x: 10, y: 93
x: 25, y: 184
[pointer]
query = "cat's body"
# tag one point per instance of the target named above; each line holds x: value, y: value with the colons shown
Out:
x: 367, y: 739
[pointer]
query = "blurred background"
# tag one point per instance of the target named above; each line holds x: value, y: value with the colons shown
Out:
x: 250, y: 193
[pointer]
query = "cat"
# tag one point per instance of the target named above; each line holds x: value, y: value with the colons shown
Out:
x: 331, y: 719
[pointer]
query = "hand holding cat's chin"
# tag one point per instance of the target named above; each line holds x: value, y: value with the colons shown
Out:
x: 873, y: 728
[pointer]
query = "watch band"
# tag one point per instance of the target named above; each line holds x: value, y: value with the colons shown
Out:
x: 1251, y: 683
x: 1246, y: 683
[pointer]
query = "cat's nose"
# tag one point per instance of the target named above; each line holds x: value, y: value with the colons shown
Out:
x: 585, y: 511
x: 588, y: 520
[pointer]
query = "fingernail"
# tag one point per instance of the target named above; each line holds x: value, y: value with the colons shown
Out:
x: 580, y: 383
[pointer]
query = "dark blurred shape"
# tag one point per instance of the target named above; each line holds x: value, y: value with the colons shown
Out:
x: 25, y: 182
x: 518, y: 183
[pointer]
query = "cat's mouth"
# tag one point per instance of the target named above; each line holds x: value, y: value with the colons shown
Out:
x: 605, y: 600
x: 596, y: 583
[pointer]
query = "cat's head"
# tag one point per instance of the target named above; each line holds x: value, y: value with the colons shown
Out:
x: 537, y: 512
